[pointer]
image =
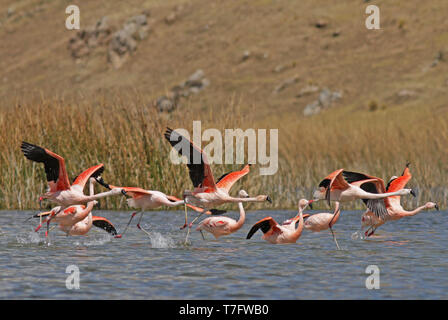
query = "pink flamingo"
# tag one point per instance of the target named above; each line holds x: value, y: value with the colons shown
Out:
x: 284, y: 233
x: 207, y: 193
x: 60, y: 190
x: 77, y: 219
x: 149, y: 199
x: 223, y: 226
x: 323, y: 221
x: 394, y: 209
x: 344, y: 186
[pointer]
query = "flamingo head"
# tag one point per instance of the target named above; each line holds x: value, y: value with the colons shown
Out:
x: 243, y: 194
x: 303, y: 203
x: 319, y: 194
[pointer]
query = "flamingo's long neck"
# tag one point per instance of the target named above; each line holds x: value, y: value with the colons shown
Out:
x: 375, y: 196
x: 242, y: 218
x: 297, y: 232
x: 98, y: 196
x: 405, y: 213
x: 253, y: 199
x: 83, y: 214
x: 336, y: 214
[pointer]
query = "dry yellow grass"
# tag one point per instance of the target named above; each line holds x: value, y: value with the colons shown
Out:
x: 89, y: 112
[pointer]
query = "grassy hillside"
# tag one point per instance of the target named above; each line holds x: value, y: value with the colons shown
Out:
x: 393, y: 81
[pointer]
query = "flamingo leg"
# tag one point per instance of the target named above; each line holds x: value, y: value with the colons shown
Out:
x: 126, y: 228
x: 191, y: 223
x: 202, y: 234
x: 186, y: 219
x: 371, y: 232
x: 367, y: 231
x: 334, y: 238
x: 138, y: 225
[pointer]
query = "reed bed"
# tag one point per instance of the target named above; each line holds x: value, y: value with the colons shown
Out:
x: 127, y: 136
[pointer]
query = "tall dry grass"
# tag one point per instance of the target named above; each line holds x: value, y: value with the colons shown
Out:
x: 127, y: 136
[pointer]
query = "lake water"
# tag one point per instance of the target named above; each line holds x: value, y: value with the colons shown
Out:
x: 411, y: 256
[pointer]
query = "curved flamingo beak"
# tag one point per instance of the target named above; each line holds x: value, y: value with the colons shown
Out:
x: 413, y: 193
x: 268, y: 199
x: 310, y: 203
x: 123, y: 192
x: 437, y: 207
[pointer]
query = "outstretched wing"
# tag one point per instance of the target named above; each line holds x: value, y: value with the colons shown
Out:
x: 54, y: 165
x: 398, y: 184
x: 377, y: 206
x: 334, y: 181
x: 93, y: 172
x: 200, y: 172
x: 104, y: 224
x: 264, y: 224
x: 227, y: 180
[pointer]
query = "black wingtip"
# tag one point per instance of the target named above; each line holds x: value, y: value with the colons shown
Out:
x: 414, y: 193
x: 215, y: 212
x: 437, y: 207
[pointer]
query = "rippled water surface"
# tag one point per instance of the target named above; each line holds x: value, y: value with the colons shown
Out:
x: 410, y: 254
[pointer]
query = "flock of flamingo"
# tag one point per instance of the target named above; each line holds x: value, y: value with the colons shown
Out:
x: 73, y: 213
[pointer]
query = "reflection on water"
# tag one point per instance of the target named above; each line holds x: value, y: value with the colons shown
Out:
x: 411, y: 255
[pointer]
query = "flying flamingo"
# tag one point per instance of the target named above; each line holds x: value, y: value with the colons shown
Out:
x: 394, y: 209
x: 284, y: 233
x: 60, y: 190
x: 344, y: 186
x: 222, y: 226
x: 207, y: 193
x: 77, y: 219
x: 149, y: 199
x: 323, y: 221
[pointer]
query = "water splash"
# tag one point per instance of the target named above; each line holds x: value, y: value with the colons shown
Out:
x: 30, y: 238
x: 358, y: 235
x: 160, y: 241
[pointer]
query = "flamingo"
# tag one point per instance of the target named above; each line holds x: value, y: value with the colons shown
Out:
x: 60, y: 191
x: 323, y: 221
x: 222, y: 226
x: 207, y: 193
x: 344, y: 186
x: 77, y: 219
x: 149, y: 199
x: 394, y: 209
x: 284, y: 233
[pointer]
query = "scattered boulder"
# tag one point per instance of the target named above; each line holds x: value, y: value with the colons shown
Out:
x: 405, y: 93
x: 324, y: 101
x: 124, y: 41
x: 166, y: 104
x: 286, y: 83
x: 86, y: 40
x: 174, y: 15
x: 305, y: 91
x: 321, y: 23
x: 193, y: 85
x: 282, y: 67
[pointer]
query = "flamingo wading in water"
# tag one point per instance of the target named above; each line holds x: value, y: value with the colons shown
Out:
x: 223, y: 226
x: 77, y: 219
x: 323, y: 221
x: 60, y: 191
x: 394, y: 209
x: 207, y: 193
x: 149, y: 199
x: 345, y: 186
x: 284, y: 233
